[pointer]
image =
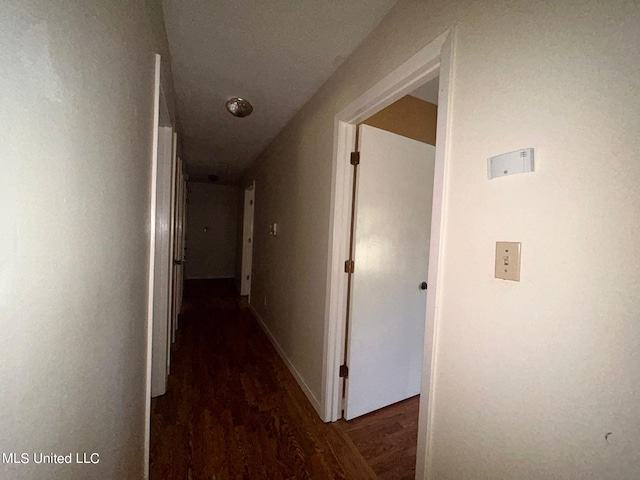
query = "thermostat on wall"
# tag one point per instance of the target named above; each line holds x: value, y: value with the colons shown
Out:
x: 520, y: 161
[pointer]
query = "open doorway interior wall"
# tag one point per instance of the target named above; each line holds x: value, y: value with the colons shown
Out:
x: 413, y: 116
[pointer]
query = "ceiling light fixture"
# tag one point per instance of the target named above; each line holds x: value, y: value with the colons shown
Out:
x: 239, y: 107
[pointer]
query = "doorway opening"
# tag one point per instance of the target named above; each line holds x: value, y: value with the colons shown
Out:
x: 163, y: 265
x: 390, y: 233
x: 432, y: 61
x: 387, y: 288
x: 247, y: 240
x: 178, y: 223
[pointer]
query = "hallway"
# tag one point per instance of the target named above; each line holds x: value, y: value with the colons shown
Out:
x: 233, y: 410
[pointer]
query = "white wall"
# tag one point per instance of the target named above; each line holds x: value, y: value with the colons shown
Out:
x: 76, y: 135
x: 212, y: 217
x: 530, y: 376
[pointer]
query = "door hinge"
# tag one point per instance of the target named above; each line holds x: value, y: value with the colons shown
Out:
x: 344, y: 371
x: 355, y: 158
x: 349, y: 266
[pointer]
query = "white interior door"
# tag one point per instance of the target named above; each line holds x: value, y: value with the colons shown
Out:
x: 162, y: 271
x: 391, y: 240
x: 178, y: 251
x: 172, y: 247
x: 247, y: 240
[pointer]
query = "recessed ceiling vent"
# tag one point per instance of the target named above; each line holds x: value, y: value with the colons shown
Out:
x: 239, y: 107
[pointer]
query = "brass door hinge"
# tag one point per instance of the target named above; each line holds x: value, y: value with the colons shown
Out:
x: 344, y: 371
x: 355, y: 158
x: 349, y: 266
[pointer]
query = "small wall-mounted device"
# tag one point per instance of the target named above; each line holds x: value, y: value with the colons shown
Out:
x: 273, y: 229
x: 520, y: 161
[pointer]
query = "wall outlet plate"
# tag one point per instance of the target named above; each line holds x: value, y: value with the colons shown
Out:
x: 508, y: 261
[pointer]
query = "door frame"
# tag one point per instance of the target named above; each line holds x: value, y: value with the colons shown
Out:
x: 245, y: 286
x: 159, y: 281
x: 435, y: 59
x: 178, y: 247
x: 175, y: 191
x: 152, y: 253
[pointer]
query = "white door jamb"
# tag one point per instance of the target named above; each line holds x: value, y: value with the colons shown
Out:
x: 152, y: 254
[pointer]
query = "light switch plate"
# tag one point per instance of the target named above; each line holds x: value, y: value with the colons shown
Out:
x: 508, y: 261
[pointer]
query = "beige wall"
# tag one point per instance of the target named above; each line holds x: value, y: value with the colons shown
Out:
x: 409, y: 117
x: 211, y: 253
x: 76, y: 134
x: 530, y: 376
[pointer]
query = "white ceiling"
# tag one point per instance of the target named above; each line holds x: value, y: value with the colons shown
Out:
x: 275, y: 53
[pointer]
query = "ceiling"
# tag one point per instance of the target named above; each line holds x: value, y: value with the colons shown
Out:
x: 274, y: 53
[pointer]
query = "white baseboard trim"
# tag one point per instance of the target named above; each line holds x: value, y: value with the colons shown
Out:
x: 208, y: 278
x: 305, y: 388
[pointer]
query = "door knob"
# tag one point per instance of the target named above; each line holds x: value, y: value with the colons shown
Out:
x: 423, y: 286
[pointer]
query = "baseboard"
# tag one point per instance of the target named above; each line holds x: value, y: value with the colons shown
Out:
x: 208, y: 278
x: 305, y: 388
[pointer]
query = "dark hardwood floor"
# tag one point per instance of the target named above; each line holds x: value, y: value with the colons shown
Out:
x: 387, y: 439
x: 234, y: 411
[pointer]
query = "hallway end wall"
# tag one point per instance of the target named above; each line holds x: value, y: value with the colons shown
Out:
x: 212, y: 217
